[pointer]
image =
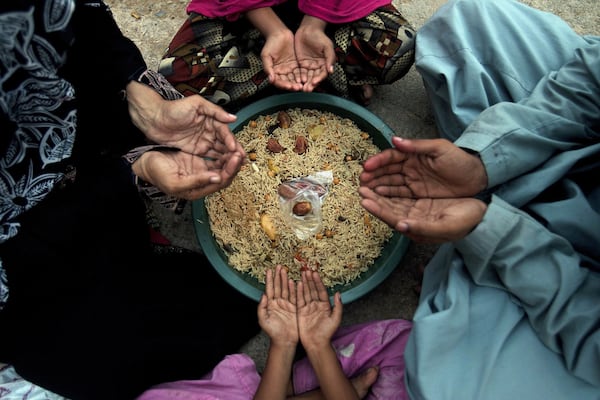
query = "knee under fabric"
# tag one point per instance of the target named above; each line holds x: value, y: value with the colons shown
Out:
x: 472, y: 54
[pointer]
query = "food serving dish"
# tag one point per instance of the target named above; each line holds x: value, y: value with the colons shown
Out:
x: 393, y: 250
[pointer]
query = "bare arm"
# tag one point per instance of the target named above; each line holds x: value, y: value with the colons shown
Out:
x: 277, y: 317
x: 317, y: 322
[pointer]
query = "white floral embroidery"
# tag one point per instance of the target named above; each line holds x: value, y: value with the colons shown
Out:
x: 57, y: 14
x: 40, y: 108
x: 14, y: 387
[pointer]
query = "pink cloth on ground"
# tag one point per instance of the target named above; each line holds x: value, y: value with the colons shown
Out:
x: 234, y: 378
x: 332, y: 11
x: 358, y: 347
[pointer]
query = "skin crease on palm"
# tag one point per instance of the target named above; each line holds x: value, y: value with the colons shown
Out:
x: 424, y: 189
x: 291, y: 312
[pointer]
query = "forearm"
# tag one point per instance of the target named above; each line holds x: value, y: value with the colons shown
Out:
x: 562, y: 113
x: 277, y: 373
x: 559, y: 296
x: 334, y: 383
x: 143, y: 102
x: 266, y: 21
x: 310, y: 23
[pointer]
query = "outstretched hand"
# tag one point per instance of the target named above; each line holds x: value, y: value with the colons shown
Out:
x: 277, y: 308
x: 280, y: 63
x: 192, y: 124
x: 317, y: 320
x: 424, y: 188
x: 311, y: 320
x: 209, y: 155
x: 314, y: 52
x: 185, y: 175
x: 427, y: 168
x: 427, y: 219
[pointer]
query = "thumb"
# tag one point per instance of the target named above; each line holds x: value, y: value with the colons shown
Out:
x: 337, y: 307
x: 262, y: 306
x: 330, y: 58
x: 419, y: 146
x: 428, y: 232
x: 415, y: 228
x: 268, y: 67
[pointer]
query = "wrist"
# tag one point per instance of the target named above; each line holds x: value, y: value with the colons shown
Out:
x: 482, y: 205
x: 267, y: 22
x: 159, y: 84
x: 311, y: 23
x: 145, y: 97
x: 282, y: 351
x: 136, y: 159
x: 321, y: 355
x: 485, y: 196
x: 284, y: 345
x: 140, y: 176
x: 133, y: 158
x: 316, y: 346
x: 479, y: 174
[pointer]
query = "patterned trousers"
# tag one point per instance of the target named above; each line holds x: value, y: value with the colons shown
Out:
x: 220, y: 59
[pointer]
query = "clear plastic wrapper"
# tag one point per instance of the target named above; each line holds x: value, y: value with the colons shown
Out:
x: 301, y: 200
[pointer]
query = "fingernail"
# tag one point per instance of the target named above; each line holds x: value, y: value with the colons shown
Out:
x: 215, y: 179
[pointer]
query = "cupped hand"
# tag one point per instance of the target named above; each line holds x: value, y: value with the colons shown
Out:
x: 185, y: 175
x: 314, y: 52
x: 279, y: 61
x: 426, y: 168
x: 191, y: 124
x: 277, y: 308
x: 426, y: 220
x: 317, y: 320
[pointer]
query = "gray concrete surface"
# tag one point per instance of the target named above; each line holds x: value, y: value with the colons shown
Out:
x: 403, y: 106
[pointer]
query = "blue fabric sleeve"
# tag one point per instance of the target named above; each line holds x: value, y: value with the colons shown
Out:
x: 473, y: 54
x: 511, y: 251
x: 561, y: 114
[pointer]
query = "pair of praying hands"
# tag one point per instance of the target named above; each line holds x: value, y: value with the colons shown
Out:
x: 425, y: 189
x: 299, y: 61
x: 290, y: 312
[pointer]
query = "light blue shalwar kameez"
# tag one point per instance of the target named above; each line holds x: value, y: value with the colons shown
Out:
x: 512, y: 311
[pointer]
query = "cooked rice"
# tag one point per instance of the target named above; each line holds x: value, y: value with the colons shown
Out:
x: 357, y: 237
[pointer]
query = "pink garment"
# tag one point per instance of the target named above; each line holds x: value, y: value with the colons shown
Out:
x: 379, y: 343
x: 332, y: 11
x: 359, y: 347
x: 230, y: 9
x: 234, y: 378
x: 340, y: 11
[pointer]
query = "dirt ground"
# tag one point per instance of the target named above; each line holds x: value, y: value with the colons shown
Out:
x: 150, y: 24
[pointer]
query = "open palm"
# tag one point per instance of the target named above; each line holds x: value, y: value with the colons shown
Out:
x: 430, y: 168
x: 426, y: 220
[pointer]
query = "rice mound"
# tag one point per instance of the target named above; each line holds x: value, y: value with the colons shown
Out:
x: 350, y: 240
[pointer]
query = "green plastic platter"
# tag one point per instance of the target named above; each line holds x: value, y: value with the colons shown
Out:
x: 394, y: 249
